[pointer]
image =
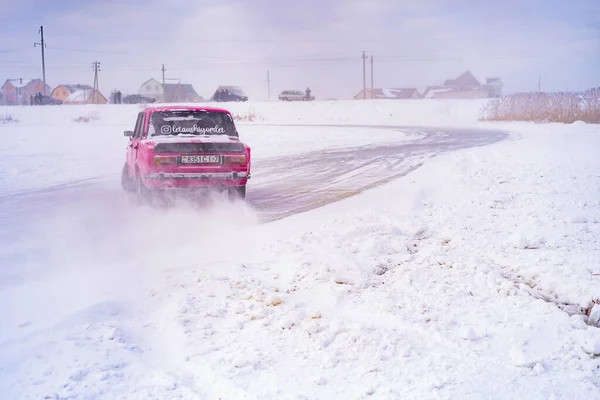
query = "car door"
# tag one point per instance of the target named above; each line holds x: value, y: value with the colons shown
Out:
x: 135, y: 142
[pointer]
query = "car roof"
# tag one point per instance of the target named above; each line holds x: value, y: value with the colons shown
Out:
x: 182, y: 108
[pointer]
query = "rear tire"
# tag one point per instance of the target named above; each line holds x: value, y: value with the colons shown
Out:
x: 236, y: 192
x: 143, y: 194
x: 127, y: 183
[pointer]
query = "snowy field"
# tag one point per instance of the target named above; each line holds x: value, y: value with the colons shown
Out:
x: 470, y: 278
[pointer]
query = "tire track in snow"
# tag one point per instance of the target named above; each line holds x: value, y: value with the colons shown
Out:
x: 328, y: 176
x: 286, y: 185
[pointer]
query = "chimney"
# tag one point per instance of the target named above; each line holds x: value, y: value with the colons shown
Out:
x: 21, y: 81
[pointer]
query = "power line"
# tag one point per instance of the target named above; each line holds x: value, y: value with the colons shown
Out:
x: 296, y: 60
x: 280, y: 62
x: 460, y: 58
x: 382, y: 40
x: 240, y: 41
x: 87, y: 50
x: 374, y: 40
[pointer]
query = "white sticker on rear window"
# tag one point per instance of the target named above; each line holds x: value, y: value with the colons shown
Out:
x: 195, y: 129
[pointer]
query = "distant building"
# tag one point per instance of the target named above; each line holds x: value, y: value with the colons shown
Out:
x: 85, y: 96
x: 62, y: 92
x: 434, y: 92
x: 19, y: 91
x: 466, y: 86
x: 152, y: 88
x: 170, y: 93
x: 392, y: 94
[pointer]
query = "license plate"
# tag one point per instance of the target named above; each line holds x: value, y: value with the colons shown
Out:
x: 205, y: 159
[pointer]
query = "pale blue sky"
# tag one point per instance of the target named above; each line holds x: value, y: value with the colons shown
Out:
x: 313, y: 42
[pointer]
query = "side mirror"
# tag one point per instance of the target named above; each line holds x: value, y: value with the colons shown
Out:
x: 128, y: 133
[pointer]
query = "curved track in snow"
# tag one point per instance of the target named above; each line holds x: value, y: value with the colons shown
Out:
x: 280, y: 186
x: 294, y: 184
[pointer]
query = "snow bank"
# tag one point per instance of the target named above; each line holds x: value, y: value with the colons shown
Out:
x: 419, y: 290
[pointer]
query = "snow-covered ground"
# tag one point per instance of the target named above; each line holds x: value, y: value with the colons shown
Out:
x: 469, y: 278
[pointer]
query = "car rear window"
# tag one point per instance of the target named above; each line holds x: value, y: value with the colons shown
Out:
x: 191, y: 123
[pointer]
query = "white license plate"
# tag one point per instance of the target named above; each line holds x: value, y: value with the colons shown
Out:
x: 207, y: 159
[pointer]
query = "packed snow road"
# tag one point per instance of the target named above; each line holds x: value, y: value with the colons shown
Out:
x: 282, y: 185
x: 288, y: 185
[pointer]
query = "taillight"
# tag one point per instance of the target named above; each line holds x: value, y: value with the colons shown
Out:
x: 236, y: 160
x: 165, y: 160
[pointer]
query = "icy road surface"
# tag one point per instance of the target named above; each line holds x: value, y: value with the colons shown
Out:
x: 283, y: 186
x: 292, y: 181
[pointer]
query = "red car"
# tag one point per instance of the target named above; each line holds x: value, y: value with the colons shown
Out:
x: 178, y: 147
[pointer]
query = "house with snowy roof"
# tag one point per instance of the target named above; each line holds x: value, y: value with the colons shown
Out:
x: 85, y: 96
x: 390, y: 94
x: 20, y: 91
x: 62, y: 92
x: 169, y: 92
x: 465, y: 86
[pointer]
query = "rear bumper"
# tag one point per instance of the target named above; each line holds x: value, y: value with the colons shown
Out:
x: 161, y: 176
x: 195, y: 180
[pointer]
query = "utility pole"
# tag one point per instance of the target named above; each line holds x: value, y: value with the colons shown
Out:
x: 539, y: 82
x: 42, y: 45
x: 371, y: 76
x: 96, y: 67
x: 163, y: 85
x: 364, y: 58
x: 269, y: 86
